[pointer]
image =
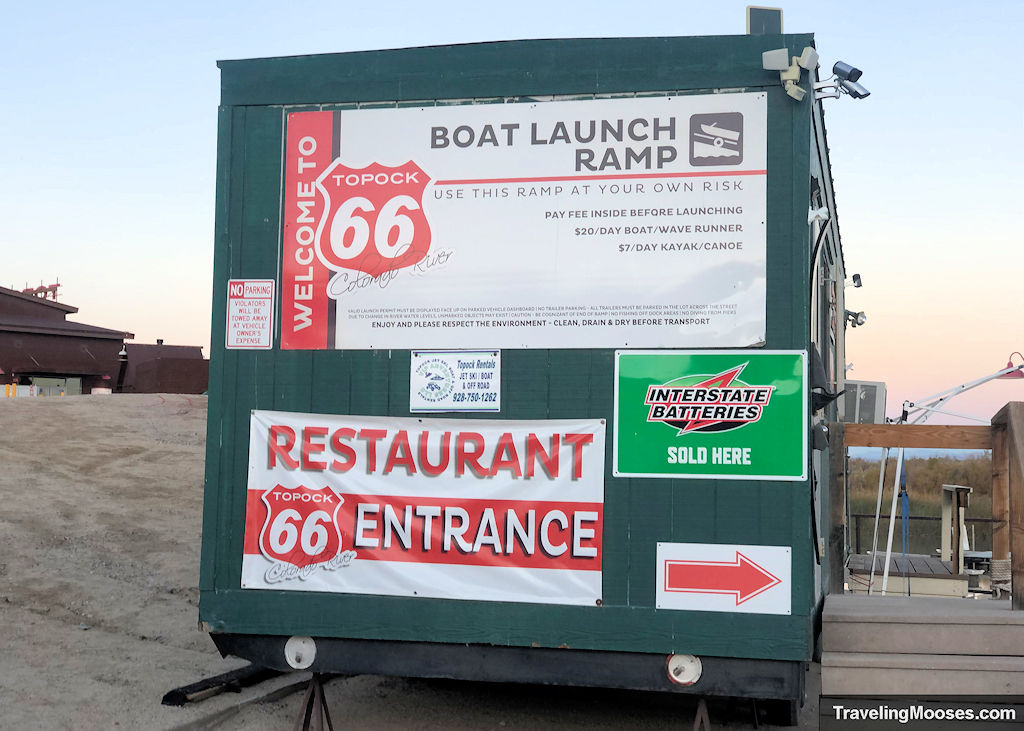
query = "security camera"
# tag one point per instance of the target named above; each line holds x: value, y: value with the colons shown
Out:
x: 857, y: 281
x: 846, y: 72
x: 854, y: 89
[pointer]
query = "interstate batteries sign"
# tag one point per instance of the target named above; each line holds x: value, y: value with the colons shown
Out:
x: 454, y: 509
x: 729, y: 415
x: 572, y: 224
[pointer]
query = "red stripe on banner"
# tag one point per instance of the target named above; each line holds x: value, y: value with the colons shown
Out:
x: 617, y: 176
x: 471, y: 532
x: 304, y: 301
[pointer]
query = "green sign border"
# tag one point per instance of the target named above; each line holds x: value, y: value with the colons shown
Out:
x: 662, y: 435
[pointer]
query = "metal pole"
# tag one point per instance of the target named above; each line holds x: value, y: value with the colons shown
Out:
x: 892, y: 518
x: 878, y: 512
x: 936, y: 398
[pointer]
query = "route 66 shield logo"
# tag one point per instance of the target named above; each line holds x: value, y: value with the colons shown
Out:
x: 301, y: 528
x: 374, y: 220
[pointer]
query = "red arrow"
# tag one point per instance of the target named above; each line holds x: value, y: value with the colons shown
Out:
x: 742, y: 577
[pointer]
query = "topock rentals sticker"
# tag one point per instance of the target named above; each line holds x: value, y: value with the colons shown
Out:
x: 723, y: 414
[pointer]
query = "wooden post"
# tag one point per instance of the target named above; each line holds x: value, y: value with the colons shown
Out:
x: 946, y: 540
x: 955, y: 499
x: 963, y: 500
x: 1000, y: 494
x: 837, y: 503
x: 1012, y: 416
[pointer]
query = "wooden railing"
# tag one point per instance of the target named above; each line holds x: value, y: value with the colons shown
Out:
x: 1006, y: 440
x: 855, y: 542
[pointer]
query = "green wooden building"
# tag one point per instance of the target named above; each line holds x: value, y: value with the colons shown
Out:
x: 520, y: 356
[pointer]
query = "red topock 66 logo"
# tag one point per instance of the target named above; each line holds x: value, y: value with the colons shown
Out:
x: 374, y: 220
x: 707, y: 403
x: 301, y: 527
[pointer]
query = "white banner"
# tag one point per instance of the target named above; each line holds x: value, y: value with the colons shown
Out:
x: 455, y: 509
x: 605, y: 223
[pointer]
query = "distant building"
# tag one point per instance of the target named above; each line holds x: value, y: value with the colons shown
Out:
x: 42, y: 353
x: 39, y: 347
x: 165, y: 369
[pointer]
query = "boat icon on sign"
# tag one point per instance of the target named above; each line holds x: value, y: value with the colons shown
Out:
x: 726, y: 139
x: 716, y: 136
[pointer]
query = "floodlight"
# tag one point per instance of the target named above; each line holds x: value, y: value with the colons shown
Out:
x: 856, y: 318
x: 1016, y: 373
x: 808, y: 59
x: 790, y: 73
x: 846, y: 72
x: 776, y: 60
x: 795, y: 90
x: 819, y: 437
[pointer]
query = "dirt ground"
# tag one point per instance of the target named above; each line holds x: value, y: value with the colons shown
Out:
x: 100, y: 515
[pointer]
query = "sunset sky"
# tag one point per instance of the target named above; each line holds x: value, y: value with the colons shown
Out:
x: 108, y: 152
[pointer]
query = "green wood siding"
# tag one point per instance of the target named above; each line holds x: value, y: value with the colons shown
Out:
x: 536, y: 384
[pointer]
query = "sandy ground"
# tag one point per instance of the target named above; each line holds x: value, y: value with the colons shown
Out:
x: 100, y: 515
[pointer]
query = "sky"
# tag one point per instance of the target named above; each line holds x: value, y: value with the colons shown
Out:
x: 108, y: 153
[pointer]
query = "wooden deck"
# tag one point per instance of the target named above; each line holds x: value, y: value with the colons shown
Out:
x: 927, y: 575
x: 921, y: 646
x: 1005, y: 437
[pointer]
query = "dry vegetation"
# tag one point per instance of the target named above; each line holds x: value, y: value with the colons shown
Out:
x: 924, y: 478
